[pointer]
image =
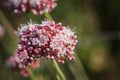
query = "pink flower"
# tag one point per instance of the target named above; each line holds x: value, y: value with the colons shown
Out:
x: 15, y: 64
x: 17, y: 6
x: 36, y: 6
x: 46, y: 40
x: 25, y: 72
x: 35, y: 64
x: 2, y: 32
x: 64, y: 43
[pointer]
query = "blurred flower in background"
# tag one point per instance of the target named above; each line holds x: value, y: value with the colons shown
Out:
x: 15, y: 64
x: 25, y: 72
x: 2, y: 32
x: 36, y: 6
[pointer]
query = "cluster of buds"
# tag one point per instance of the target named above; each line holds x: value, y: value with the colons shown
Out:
x: 36, y: 6
x: 15, y: 64
x: 46, y: 40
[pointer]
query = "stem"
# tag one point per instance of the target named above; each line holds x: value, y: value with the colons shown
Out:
x: 58, y: 77
x: 84, y: 74
x: 59, y: 71
x: 8, y: 27
x: 32, y: 76
x: 9, y: 35
x: 48, y: 16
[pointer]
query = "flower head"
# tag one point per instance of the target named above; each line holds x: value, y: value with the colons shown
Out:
x: 15, y: 64
x: 35, y: 64
x: 46, y: 40
x: 25, y: 72
x: 63, y: 43
x: 36, y: 6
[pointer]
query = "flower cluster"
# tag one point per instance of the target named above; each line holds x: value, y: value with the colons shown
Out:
x: 15, y: 64
x: 46, y: 40
x: 36, y: 6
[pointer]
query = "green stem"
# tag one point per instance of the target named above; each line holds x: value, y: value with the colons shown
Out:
x: 58, y: 77
x: 48, y: 16
x: 12, y: 43
x: 8, y: 27
x: 84, y: 74
x: 32, y: 76
x: 59, y: 71
x: 60, y: 74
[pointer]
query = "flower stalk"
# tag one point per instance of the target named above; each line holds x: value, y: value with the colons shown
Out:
x: 60, y: 74
x: 32, y: 76
x: 8, y: 27
x: 48, y: 16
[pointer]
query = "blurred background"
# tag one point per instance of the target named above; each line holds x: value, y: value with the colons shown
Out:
x: 97, y: 25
